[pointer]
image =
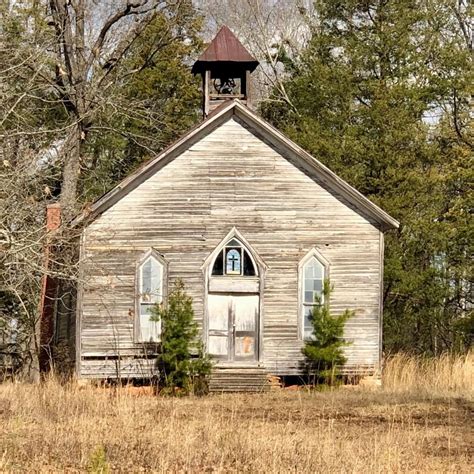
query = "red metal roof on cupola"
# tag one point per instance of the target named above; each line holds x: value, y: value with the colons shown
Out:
x: 225, y: 47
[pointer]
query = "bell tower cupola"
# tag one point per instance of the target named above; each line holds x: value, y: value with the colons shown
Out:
x: 225, y: 67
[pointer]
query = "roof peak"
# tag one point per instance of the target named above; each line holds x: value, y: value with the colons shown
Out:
x: 225, y: 47
x: 226, y: 111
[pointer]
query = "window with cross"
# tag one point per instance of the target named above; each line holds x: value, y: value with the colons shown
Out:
x: 234, y: 259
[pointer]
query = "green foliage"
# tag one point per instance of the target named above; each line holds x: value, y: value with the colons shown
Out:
x: 324, y: 352
x: 183, y: 364
x: 156, y: 99
x: 98, y: 461
x: 128, y: 113
x: 381, y: 97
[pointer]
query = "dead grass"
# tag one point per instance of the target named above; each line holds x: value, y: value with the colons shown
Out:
x: 443, y: 375
x: 53, y: 427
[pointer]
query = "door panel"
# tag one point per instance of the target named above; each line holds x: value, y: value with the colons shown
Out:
x: 244, y: 347
x: 219, y: 313
x: 245, y: 313
x: 233, y: 326
x: 219, y: 346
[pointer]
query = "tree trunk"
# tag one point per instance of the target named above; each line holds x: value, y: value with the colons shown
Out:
x: 72, y: 167
x: 33, y: 368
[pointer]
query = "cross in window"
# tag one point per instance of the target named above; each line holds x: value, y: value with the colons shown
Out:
x: 233, y: 259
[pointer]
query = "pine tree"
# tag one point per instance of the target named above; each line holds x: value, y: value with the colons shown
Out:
x: 155, y: 101
x: 182, y: 362
x: 324, y: 352
x: 362, y: 96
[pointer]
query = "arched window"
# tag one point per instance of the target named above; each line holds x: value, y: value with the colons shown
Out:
x: 313, y: 271
x: 234, y: 259
x: 150, y: 284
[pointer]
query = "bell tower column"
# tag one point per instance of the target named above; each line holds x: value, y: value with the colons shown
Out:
x: 226, y: 68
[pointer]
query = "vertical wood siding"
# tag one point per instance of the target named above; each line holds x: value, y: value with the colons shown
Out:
x: 230, y: 178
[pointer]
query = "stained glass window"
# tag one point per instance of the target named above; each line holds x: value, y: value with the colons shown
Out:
x: 233, y: 262
x: 234, y: 259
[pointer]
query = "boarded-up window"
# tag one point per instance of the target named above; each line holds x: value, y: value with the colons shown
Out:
x: 312, y: 292
x: 150, y: 292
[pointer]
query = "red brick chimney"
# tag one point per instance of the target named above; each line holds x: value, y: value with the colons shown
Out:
x: 48, y: 290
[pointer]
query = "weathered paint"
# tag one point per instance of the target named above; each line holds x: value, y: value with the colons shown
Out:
x: 231, y: 178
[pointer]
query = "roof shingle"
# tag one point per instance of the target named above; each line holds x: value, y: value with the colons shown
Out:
x: 225, y: 47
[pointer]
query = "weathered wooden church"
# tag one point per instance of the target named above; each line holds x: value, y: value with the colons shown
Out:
x: 250, y: 222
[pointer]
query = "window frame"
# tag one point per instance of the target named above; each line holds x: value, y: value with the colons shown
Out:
x: 227, y: 251
x: 313, y: 253
x: 154, y: 254
x: 243, y: 249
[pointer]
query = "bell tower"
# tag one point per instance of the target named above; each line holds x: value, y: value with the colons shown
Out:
x: 225, y: 67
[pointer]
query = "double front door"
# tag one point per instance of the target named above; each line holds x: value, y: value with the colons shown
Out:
x: 233, y: 326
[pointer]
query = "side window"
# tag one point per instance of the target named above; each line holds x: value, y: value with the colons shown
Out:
x: 150, y: 283
x: 312, y: 274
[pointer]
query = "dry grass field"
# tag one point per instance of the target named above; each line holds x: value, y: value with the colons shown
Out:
x: 421, y: 421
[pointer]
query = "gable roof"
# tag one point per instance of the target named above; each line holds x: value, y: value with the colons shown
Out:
x: 226, y: 111
x: 225, y: 47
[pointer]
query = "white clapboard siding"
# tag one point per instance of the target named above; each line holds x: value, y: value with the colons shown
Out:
x: 231, y: 178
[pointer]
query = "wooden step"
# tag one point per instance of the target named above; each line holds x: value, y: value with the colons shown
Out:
x: 239, y: 379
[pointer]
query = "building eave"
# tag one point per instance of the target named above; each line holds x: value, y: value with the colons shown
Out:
x: 219, y: 116
x: 333, y: 181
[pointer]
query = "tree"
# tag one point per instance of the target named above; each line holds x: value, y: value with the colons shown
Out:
x: 362, y: 99
x: 76, y: 62
x: 86, y: 71
x: 149, y: 108
x: 82, y: 96
x: 454, y: 136
x: 182, y: 363
x: 324, y: 352
x: 274, y: 31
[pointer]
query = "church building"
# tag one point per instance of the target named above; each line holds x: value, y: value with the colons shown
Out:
x: 251, y: 223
